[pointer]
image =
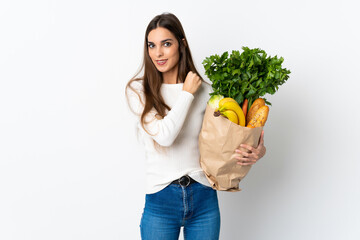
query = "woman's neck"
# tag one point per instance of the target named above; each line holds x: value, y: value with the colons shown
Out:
x: 170, y: 77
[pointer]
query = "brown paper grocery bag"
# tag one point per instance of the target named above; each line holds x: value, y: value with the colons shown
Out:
x: 218, y: 139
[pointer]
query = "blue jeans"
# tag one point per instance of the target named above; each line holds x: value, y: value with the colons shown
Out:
x: 194, y: 207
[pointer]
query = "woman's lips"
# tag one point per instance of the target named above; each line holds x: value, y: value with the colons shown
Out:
x: 161, y: 62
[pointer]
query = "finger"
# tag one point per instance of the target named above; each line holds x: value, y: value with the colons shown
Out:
x: 245, y: 163
x: 247, y: 147
x: 243, y: 159
x: 247, y: 159
x: 245, y: 154
x: 252, y: 155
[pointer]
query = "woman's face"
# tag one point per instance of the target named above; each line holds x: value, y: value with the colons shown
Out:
x: 163, y: 49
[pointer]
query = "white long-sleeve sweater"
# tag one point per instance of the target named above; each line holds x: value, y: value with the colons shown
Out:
x: 178, y: 133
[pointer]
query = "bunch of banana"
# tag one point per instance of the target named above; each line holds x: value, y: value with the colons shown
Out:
x: 230, y: 109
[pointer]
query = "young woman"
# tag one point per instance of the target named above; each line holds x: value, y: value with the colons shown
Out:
x: 170, y: 100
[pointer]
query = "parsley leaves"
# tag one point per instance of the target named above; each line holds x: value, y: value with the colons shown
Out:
x: 250, y: 74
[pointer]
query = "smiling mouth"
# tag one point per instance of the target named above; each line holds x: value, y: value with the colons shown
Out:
x: 161, y: 62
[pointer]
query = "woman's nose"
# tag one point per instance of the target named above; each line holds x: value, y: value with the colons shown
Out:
x: 159, y: 52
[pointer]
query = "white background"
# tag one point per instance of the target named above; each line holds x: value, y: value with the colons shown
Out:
x: 71, y: 167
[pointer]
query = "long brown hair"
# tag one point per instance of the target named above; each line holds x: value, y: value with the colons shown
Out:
x: 152, y: 78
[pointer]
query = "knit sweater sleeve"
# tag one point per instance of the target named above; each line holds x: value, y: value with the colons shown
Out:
x: 164, y: 131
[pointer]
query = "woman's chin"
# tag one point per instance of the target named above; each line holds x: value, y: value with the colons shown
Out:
x: 161, y: 70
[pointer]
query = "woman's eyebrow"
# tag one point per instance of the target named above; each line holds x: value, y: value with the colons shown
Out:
x: 168, y: 39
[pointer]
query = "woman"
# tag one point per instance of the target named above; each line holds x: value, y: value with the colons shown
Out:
x: 170, y: 101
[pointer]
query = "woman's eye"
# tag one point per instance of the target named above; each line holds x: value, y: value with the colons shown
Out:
x: 167, y: 44
x: 151, y: 45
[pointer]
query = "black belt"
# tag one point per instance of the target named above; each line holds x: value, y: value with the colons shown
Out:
x: 184, y: 181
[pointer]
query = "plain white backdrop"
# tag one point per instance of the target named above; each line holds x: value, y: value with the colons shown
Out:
x: 71, y: 167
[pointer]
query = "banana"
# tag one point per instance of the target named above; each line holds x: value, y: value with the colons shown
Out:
x: 225, y: 100
x: 231, y: 115
x: 234, y: 106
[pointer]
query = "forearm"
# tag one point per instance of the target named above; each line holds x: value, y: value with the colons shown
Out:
x: 167, y: 129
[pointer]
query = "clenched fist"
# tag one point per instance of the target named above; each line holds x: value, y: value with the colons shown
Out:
x: 192, y: 82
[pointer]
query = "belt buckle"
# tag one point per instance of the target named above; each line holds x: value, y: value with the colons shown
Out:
x: 184, y: 179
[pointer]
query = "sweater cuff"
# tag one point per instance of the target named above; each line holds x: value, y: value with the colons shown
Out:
x: 187, y: 95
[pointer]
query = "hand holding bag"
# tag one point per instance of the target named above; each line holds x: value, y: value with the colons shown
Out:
x: 218, y: 140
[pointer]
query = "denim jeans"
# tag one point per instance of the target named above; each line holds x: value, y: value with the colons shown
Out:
x: 194, y: 207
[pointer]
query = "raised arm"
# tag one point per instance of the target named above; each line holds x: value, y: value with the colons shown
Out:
x: 164, y: 131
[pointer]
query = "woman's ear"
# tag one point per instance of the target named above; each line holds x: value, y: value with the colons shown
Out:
x: 184, y: 41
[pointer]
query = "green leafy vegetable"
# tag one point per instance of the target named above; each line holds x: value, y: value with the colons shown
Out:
x: 248, y: 75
